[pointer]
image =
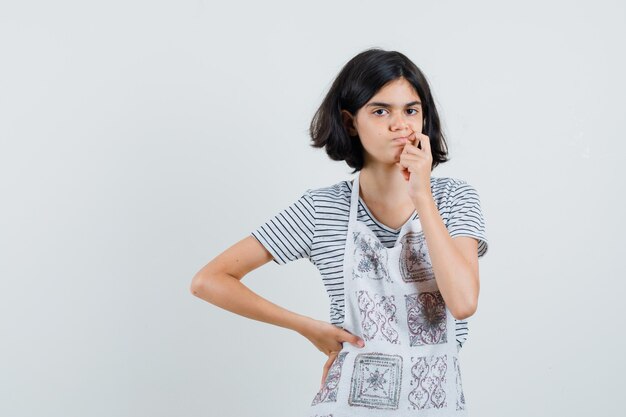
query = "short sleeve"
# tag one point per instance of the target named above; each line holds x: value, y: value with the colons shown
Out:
x: 288, y: 235
x: 466, y: 216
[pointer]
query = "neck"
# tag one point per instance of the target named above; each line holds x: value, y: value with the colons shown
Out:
x: 383, y: 185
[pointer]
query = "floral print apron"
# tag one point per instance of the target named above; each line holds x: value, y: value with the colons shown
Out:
x: 409, y: 365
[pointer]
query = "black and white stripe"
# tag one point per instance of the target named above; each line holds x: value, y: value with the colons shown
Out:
x: 315, y: 227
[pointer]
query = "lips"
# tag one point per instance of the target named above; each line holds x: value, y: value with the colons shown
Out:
x: 404, y: 139
x: 401, y: 140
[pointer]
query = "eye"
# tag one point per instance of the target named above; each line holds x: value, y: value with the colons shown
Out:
x: 375, y: 111
x: 415, y: 110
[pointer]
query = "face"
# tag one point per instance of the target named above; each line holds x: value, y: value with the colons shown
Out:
x: 395, y: 111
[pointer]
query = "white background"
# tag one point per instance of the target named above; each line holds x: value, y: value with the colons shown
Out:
x: 141, y: 139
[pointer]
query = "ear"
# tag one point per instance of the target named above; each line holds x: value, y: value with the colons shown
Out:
x: 348, y: 122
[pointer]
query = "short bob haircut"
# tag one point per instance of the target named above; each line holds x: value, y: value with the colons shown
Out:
x: 358, y: 81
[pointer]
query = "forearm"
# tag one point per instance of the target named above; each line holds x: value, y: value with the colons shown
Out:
x: 452, y: 271
x: 229, y: 293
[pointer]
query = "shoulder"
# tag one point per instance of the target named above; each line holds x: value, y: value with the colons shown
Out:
x: 447, y: 182
x: 337, y: 189
x: 462, y: 212
x: 330, y: 195
x: 448, y: 188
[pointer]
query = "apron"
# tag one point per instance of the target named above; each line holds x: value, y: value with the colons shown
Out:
x: 409, y: 365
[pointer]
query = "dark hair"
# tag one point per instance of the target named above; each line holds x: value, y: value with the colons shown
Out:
x: 358, y: 81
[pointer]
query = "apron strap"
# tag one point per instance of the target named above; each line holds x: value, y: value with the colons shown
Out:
x: 354, y: 199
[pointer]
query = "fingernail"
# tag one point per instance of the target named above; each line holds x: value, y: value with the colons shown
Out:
x: 361, y: 344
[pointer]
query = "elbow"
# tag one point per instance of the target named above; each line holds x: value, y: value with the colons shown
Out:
x: 208, y: 285
x: 466, y: 311
x: 467, y: 303
x: 199, y: 285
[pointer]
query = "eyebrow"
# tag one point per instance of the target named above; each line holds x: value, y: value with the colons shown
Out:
x: 381, y: 104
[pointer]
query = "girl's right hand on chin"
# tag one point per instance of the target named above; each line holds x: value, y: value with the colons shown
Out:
x: 329, y: 339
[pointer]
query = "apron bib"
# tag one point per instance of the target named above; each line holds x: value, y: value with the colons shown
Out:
x: 409, y: 365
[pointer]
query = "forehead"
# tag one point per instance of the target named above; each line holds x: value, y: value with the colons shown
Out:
x: 396, y: 92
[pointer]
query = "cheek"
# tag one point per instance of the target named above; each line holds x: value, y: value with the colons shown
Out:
x: 416, y: 126
x: 371, y: 130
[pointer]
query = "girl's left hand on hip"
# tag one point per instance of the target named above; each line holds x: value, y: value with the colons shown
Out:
x: 416, y: 164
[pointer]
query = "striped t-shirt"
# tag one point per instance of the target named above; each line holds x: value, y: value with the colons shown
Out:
x: 315, y: 227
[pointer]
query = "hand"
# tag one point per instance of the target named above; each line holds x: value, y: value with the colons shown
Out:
x: 416, y: 165
x: 329, y: 339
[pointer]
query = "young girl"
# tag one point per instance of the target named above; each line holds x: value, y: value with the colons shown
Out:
x: 397, y: 250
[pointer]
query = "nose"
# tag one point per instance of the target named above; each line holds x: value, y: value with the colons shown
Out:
x: 399, y: 123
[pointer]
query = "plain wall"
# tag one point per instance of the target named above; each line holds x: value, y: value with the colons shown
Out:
x: 141, y: 139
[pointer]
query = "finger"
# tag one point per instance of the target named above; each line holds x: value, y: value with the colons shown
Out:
x: 411, y: 150
x: 415, y: 161
x: 411, y: 140
x: 354, y: 339
x: 424, y: 143
x: 411, y: 145
x: 323, y: 379
x: 406, y: 160
x: 403, y: 171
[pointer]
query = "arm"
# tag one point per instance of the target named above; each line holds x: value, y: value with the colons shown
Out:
x: 454, y: 260
x: 219, y: 283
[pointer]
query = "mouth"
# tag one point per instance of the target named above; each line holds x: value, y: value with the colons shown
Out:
x: 401, y: 140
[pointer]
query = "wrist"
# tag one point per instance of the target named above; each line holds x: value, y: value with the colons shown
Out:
x: 303, y: 324
x: 422, y: 201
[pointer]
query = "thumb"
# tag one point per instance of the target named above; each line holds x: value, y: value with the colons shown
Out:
x: 327, y: 365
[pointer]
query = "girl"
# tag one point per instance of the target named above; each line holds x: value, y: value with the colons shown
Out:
x: 397, y: 250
